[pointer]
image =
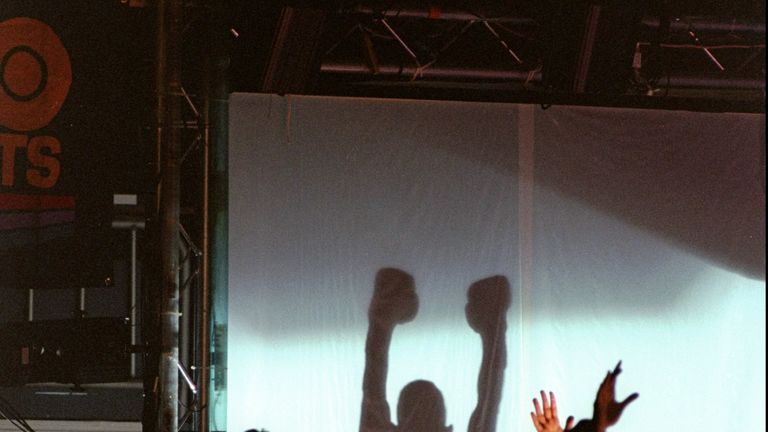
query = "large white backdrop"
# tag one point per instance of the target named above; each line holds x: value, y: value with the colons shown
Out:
x: 625, y: 234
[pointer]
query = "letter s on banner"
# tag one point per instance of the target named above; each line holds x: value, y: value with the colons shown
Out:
x: 45, y: 169
x: 35, y: 74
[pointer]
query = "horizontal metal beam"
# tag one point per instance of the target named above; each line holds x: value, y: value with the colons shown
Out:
x: 712, y: 83
x: 440, y: 14
x: 679, y: 23
x: 434, y: 72
x: 708, y: 25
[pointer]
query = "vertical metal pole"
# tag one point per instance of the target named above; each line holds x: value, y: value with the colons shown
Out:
x: 82, y: 302
x: 170, y: 188
x: 217, y: 162
x: 204, y: 316
x: 185, y: 302
x: 525, y: 198
x: 31, y: 305
x: 151, y: 417
x: 133, y: 299
x: 160, y: 89
x: 587, y: 46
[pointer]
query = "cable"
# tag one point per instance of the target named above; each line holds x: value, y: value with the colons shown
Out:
x: 15, y: 417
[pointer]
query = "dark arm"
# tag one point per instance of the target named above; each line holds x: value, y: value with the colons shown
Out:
x: 394, y: 302
x: 488, y: 301
x: 584, y: 426
x: 606, y: 410
x: 375, y: 415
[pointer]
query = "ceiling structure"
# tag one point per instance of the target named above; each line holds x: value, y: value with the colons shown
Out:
x: 648, y: 53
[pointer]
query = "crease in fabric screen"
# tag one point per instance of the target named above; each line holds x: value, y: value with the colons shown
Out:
x: 328, y: 194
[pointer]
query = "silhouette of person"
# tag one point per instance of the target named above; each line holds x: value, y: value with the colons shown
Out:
x: 606, y: 410
x: 420, y: 406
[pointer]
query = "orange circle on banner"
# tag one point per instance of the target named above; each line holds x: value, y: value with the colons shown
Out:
x: 23, y: 74
x: 35, y: 74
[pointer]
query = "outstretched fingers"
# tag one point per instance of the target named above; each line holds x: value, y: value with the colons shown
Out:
x: 537, y: 417
x: 629, y: 400
x: 608, y: 387
x: 569, y: 423
x: 545, y: 403
x: 606, y: 381
x: 617, y: 369
x: 544, y: 416
x: 553, y: 404
x: 536, y: 407
x: 604, y: 391
x: 539, y: 423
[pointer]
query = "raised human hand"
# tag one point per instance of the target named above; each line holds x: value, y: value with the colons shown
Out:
x: 394, y: 298
x: 546, y: 419
x: 487, y: 303
x: 607, y: 410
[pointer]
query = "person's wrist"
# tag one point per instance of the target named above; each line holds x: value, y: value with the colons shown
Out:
x: 599, y: 425
x: 489, y: 334
x: 585, y: 425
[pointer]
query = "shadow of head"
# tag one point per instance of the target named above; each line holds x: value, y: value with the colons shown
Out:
x: 421, y: 408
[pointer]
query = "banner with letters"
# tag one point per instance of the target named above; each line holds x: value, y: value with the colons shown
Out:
x: 68, y: 128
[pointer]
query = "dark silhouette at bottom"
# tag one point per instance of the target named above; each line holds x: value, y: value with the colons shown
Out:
x: 421, y: 406
x: 606, y: 410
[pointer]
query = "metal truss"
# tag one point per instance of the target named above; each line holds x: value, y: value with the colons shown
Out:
x: 183, y: 84
x: 415, y: 44
x: 431, y: 45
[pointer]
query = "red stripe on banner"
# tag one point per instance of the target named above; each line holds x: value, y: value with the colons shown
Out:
x: 35, y: 202
x: 12, y: 221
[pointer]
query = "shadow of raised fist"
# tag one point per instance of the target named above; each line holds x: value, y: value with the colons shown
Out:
x: 487, y: 304
x: 394, y: 298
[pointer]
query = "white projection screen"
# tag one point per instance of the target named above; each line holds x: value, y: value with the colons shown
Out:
x: 624, y: 234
